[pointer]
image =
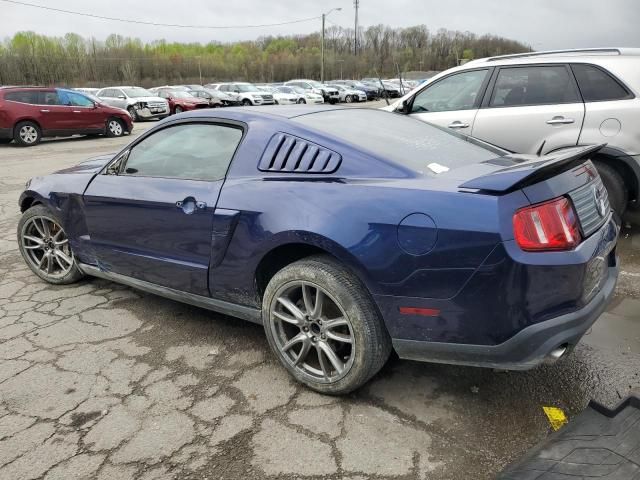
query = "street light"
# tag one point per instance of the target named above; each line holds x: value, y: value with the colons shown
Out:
x: 322, y: 45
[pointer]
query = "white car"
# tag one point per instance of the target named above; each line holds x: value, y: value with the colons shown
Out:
x: 139, y: 102
x: 248, y: 93
x: 280, y: 98
x: 302, y: 95
x: 542, y: 102
x: 329, y: 94
x: 350, y: 95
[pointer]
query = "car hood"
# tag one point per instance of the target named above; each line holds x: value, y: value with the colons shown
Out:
x: 149, y: 99
x: 93, y: 165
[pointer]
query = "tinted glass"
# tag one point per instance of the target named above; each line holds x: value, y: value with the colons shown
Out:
x: 137, y: 92
x: 194, y: 151
x: 49, y: 98
x: 533, y: 86
x: 597, y: 85
x: 25, y: 96
x: 398, y: 138
x: 457, y: 92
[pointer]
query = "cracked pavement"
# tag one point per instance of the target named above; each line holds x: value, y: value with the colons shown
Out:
x: 101, y: 381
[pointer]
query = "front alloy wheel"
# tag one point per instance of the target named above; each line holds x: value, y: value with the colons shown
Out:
x: 114, y: 128
x: 323, y: 326
x: 45, y: 247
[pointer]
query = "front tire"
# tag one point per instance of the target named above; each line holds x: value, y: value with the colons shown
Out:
x: 132, y: 112
x: 323, y: 326
x: 348, y: 99
x: 616, y: 188
x: 246, y: 102
x: 301, y: 101
x: 45, y: 247
x: 115, y: 128
x: 178, y: 109
x: 27, y: 134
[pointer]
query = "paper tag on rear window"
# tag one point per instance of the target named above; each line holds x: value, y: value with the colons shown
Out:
x: 437, y: 168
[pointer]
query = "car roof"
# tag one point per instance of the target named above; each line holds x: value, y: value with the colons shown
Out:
x: 556, y: 56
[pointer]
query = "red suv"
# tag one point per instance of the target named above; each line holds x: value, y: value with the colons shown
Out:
x: 29, y: 113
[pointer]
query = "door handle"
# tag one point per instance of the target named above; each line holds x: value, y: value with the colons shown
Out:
x: 458, y: 124
x: 560, y: 121
x: 45, y: 111
x: 77, y: 111
x: 189, y: 205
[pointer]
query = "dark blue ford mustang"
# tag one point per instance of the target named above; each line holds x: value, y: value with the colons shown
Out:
x: 346, y: 232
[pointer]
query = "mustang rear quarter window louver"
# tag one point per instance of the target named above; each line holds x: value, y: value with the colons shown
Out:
x: 289, y: 154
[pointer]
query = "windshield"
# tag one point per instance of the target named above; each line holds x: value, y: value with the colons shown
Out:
x: 137, y: 92
x: 286, y: 89
x: 398, y: 138
x: 299, y: 90
x: 246, y: 87
x: 315, y: 84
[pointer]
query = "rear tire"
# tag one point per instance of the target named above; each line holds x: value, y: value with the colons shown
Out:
x: 360, y: 342
x: 27, y: 134
x: 348, y: 99
x: 301, y: 101
x: 178, y: 109
x: 616, y: 188
x: 246, y: 102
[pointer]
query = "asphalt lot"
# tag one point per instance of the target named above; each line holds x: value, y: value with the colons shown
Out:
x: 101, y: 381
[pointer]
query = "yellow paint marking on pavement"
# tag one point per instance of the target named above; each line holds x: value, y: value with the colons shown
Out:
x: 556, y: 417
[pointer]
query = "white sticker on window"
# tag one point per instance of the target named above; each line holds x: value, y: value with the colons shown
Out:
x: 437, y: 168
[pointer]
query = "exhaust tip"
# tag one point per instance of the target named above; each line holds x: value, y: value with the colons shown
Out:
x: 556, y: 354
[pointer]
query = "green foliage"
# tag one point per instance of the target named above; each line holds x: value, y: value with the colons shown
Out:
x: 30, y: 58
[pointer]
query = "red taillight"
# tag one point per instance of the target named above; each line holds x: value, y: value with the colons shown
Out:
x: 547, y: 226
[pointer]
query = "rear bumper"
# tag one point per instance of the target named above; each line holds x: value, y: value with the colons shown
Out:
x: 526, y: 349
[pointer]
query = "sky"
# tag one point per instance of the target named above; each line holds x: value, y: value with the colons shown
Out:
x: 542, y: 24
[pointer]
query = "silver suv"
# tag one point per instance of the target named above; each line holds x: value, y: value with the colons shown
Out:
x: 545, y: 101
x: 139, y: 102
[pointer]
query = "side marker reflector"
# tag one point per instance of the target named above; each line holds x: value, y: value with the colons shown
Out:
x: 556, y: 417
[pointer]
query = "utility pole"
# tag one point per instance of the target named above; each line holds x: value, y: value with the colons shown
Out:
x: 322, y: 44
x: 356, y: 4
x: 322, y: 52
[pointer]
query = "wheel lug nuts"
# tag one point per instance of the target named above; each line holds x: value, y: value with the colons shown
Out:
x: 305, y: 329
x: 323, y: 336
x: 314, y: 339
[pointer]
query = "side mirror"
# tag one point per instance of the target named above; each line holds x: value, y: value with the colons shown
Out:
x: 403, y: 107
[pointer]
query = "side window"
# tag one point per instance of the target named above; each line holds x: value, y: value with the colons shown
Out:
x: 73, y: 99
x: 117, y: 93
x: 224, y: 88
x: 533, y: 86
x: 25, y: 96
x: 596, y: 85
x: 48, y: 98
x: 457, y: 92
x: 162, y: 94
x: 193, y: 151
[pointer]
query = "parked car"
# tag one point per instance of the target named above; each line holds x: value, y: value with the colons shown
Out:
x: 214, y: 100
x: 372, y: 92
x: 280, y: 98
x: 543, y: 102
x: 140, y: 103
x: 302, y: 95
x: 227, y: 97
x: 478, y: 257
x: 248, y: 94
x: 90, y: 91
x: 27, y: 114
x: 181, y: 100
x: 350, y: 95
x: 329, y: 95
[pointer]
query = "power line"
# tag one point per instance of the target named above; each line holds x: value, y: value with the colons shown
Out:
x: 155, y: 24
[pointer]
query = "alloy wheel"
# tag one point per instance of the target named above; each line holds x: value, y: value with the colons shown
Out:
x: 312, y: 331
x: 47, y: 247
x: 28, y: 134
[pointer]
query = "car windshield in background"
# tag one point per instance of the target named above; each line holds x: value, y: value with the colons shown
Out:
x: 402, y: 140
x: 180, y: 94
x: 285, y: 89
x: 137, y: 92
x: 243, y: 87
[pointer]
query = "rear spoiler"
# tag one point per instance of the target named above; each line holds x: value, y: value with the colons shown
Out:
x: 523, y: 170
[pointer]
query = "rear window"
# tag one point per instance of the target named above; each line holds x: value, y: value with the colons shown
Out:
x: 24, y: 96
x: 596, y: 85
x: 405, y: 141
